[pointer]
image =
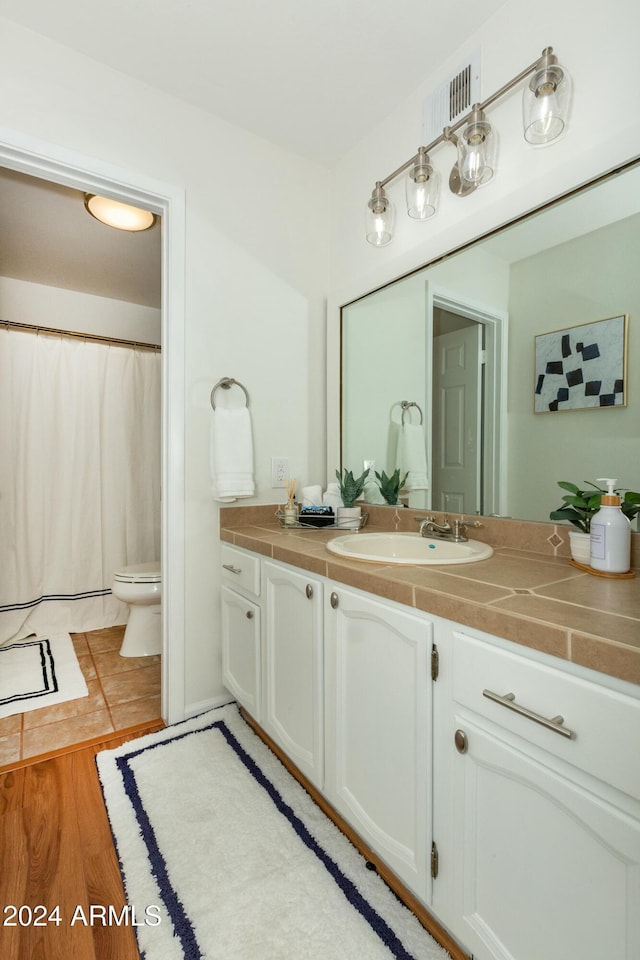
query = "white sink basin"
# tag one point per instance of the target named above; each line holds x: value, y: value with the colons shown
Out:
x: 407, y: 548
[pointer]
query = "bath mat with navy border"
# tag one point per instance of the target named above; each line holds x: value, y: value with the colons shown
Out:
x: 224, y: 856
x: 39, y: 672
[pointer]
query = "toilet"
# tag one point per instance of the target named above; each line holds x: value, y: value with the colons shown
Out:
x: 139, y: 585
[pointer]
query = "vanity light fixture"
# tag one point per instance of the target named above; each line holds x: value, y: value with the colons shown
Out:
x: 422, y: 186
x: 379, y: 217
x: 545, y: 101
x: 122, y: 216
x: 477, y: 149
x: 545, y: 106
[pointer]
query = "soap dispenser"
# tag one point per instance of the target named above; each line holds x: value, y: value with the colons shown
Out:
x: 610, y: 543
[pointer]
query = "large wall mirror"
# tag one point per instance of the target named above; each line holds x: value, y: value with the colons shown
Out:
x: 449, y: 352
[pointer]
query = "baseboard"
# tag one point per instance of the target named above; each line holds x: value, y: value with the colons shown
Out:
x: 195, y: 709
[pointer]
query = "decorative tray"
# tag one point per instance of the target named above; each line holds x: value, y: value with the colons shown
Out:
x: 311, y: 523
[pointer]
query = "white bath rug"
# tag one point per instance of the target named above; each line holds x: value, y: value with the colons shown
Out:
x: 39, y: 672
x: 225, y: 857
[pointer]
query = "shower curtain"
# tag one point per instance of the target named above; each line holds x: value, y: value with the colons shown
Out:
x: 80, y: 443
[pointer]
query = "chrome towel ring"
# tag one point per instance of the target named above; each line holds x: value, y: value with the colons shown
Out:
x: 405, y: 404
x: 226, y: 383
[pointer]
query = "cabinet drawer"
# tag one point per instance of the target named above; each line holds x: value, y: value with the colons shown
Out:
x: 240, y: 570
x: 605, y: 724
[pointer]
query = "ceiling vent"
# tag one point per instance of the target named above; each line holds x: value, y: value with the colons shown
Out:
x: 452, y: 99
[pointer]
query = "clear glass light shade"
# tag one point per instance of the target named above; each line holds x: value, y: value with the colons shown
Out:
x: 380, y: 218
x: 545, y: 103
x: 122, y: 216
x: 422, y: 188
x: 477, y: 148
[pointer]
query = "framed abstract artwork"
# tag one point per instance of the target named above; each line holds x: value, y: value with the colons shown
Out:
x: 582, y: 367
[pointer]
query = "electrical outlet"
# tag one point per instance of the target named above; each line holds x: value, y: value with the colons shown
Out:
x: 279, y: 471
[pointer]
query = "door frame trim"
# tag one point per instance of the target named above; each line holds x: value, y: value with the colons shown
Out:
x: 495, y: 390
x: 58, y: 165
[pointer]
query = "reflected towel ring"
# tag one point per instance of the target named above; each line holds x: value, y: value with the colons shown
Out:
x: 226, y: 383
x: 405, y: 404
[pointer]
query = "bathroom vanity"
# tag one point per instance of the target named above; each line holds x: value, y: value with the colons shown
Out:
x: 449, y: 719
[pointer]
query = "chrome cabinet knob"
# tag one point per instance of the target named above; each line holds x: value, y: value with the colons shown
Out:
x: 461, y: 741
x: 333, y: 600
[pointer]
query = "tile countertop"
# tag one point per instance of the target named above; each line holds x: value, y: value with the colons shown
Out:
x: 527, y: 592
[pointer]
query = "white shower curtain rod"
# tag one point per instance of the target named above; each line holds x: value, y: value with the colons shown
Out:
x: 93, y: 337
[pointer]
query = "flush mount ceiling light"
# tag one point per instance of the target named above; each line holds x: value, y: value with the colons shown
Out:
x: 122, y: 216
x: 545, y: 106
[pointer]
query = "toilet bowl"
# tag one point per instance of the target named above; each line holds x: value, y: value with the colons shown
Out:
x: 140, y: 585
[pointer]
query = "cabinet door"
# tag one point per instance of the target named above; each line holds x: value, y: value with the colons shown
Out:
x: 293, y: 668
x: 543, y: 867
x: 378, y: 743
x: 241, y: 649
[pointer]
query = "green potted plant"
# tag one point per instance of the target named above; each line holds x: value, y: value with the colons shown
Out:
x: 580, y: 506
x: 391, y: 486
x: 351, y: 489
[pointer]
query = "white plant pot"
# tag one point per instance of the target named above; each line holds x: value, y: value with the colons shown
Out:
x: 580, y: 546
x: 349, y: 518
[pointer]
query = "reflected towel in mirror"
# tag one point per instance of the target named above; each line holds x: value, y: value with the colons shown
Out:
x: 231, y: 454
x: 412, y: 456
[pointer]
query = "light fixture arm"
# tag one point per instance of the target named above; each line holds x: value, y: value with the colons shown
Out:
x: 448, y: 134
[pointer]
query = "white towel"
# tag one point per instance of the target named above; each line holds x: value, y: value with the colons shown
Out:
x: 312, y: 495
x: 231, y: 454
x: 412, y: 456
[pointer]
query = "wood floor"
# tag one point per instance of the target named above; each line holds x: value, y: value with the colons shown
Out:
x: 56, y: 850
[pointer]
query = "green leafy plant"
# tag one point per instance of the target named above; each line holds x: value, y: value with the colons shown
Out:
x: 580, y: 506
x: 391, y: 486
x: 351, y: 489
x: 630, y: 504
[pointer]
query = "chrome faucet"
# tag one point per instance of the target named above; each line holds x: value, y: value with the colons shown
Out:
x: 430, y: 528
x: 444, y: 531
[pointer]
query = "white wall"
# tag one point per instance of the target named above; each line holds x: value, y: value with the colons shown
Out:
x: 386, y: 351
x: 591, y: 278
x: 39, y: 304
x: 382, y: 373
x: 255, y: 278
x: 604, y: 130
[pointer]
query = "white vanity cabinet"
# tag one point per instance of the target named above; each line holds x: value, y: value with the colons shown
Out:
x: 241, y: 647
x: 545, y: 828
x: 378, y: 727
x: 293, y: 708
x: 537, y: 834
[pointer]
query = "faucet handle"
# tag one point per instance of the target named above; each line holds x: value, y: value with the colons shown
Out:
x: 471, y: 523
x: 462, y: 524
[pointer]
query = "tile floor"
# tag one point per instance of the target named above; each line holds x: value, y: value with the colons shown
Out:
x: 123, y: 691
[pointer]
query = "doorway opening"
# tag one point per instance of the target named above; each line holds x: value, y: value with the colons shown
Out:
x: 467, y: 408
x: 88, y: 175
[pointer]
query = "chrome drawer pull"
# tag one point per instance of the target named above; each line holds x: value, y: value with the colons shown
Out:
x: 508, y: 701
x: 230, y: 567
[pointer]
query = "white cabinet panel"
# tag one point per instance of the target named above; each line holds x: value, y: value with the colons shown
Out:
x: 293, y: 667
x: 543, y: 867
x: 605, y: 723
x: 240, y: 569
x: 241, y: 649
x: 378, y: 750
